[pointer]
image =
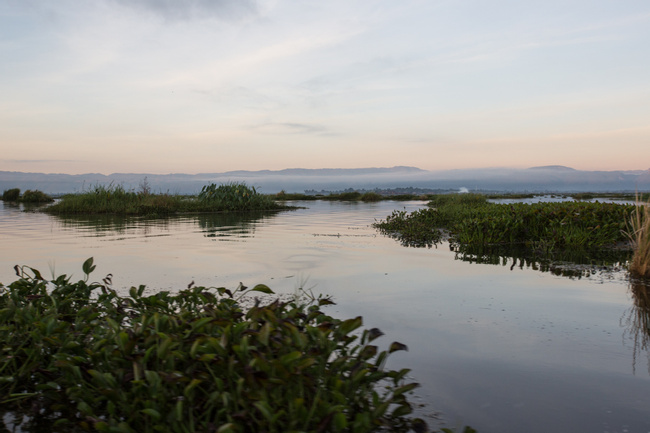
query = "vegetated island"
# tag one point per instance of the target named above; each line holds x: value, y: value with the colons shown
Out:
x: 79, y: 357
x: 477, y: 228
x: 231, y: 197
x: 29, y: 196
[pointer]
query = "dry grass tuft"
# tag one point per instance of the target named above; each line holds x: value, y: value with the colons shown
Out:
x: 639, y: 234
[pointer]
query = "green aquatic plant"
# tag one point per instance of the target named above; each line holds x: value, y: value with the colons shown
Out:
x: 78, y: 355
x: 345, y: 196
x: 420, y: 228
x: 12, y: 194
x: 35, y: 196
x: 235, y: 196
x: 542, y: 227
x: 114, y: 199
x: 370, y: 196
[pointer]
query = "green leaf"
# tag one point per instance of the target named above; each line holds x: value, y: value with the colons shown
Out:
x: 152, y: 413
x: 395, y: 346
x: 374, y: 333
x: 262, y: 288
x: 264, y: 407
x: 402, y: 410
x: 227, y: 428
x: 88, y: 266
x: 290, y: 357
x: 340, y: 421
x: 350, y: 325
x: 37, y: 274
x: 405, y: 388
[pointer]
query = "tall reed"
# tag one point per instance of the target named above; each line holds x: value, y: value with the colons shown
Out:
x: 639, y: 234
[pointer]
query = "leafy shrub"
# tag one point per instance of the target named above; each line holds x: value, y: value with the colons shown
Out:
x: 348, y: 195
x: 81, y: 355
x: 371, y: 196
x: 35, y: 196
x: 235, y: 196
x: 11, y: 194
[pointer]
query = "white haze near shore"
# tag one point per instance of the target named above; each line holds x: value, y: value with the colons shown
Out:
x: 538, y: 179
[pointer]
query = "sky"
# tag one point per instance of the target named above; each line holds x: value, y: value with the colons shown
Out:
x: 196, y: 86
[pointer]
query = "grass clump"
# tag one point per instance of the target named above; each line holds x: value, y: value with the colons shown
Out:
x: 114, y: 199
x: 639, y: 233
x: 12, y: 194
x: 80, y: 356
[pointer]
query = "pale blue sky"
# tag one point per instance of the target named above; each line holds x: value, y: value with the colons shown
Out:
x: 162, y: 86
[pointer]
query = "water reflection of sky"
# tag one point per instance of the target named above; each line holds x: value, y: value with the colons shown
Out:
x: 501, y: 349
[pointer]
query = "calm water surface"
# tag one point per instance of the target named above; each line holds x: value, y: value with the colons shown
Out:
x: 500, y: 348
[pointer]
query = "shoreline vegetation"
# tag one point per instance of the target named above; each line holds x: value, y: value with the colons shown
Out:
x: 79, y: 357
x: 476, y: 228
x: 239, y: 197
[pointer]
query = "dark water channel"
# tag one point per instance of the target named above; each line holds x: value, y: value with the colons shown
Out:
x: 502, y: 344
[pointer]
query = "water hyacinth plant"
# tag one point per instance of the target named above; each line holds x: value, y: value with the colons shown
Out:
x: 468, y: 219
x: 78, y: 355
x: 235, y: 196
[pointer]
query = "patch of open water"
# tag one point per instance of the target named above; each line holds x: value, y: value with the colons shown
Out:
x: 501, y: 348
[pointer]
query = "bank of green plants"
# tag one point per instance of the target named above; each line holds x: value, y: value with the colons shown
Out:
x: 78, y: 355
x: 12, y: 194
x: 468, y: 219
x: 116, y: 200
x: 235, y: 196
x: 35, y: 196
x: 366, y: 196
x: 370, y: 196
x: 29, y: 196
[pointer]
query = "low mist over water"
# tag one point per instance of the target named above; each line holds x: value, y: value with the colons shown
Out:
x: 539, y: 179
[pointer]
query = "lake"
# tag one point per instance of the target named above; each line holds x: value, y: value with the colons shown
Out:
x: 503, y: 348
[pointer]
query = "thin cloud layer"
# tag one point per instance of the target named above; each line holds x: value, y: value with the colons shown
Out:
x: 182, y: 10
x: 201, y: 86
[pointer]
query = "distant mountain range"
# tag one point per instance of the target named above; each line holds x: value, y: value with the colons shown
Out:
x: 554, y: 178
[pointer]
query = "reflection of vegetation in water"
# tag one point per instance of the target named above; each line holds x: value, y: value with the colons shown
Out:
x: 107, y: 224
x: 226, y: 226
x: 568, y: 263
x: 637, y: 320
